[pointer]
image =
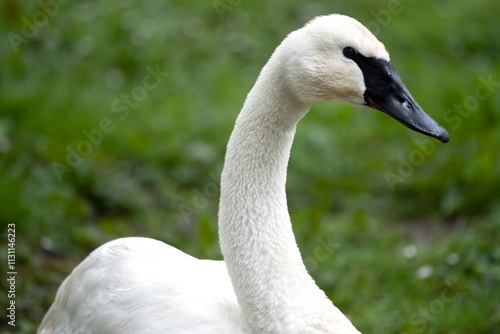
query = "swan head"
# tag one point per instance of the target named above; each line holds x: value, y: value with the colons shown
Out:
x: 336, y: 58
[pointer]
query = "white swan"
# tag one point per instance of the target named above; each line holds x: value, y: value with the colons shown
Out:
x: 140, y: 285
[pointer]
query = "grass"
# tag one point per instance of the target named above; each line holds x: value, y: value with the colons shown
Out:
x: 400, y: 231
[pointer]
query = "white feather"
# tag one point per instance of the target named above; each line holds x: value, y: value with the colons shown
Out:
x: 140, y: 285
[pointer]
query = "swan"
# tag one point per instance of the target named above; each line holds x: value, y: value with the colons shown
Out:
x: 141, y: 285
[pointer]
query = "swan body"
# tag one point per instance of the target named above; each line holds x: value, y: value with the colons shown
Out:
x: 140, y: 285
x: 129, y: 285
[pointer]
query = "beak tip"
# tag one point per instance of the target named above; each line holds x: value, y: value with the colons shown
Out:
x: 443, y: 136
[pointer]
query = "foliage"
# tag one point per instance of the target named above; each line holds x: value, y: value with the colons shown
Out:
x: 81, y: 166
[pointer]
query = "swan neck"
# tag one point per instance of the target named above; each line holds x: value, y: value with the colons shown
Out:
x: 257, y: 241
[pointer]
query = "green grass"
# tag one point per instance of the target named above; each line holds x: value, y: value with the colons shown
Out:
x: 154, y: 170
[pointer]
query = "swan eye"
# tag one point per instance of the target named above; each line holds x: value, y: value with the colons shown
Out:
x: 349, y: 52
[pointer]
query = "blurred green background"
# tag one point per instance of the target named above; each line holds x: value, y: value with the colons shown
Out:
x: 410, y: 226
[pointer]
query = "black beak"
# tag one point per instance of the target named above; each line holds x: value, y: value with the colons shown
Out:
x: 385, y: 91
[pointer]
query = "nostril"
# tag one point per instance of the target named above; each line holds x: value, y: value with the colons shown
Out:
x: 405, y: 102
x: 401, y: 99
